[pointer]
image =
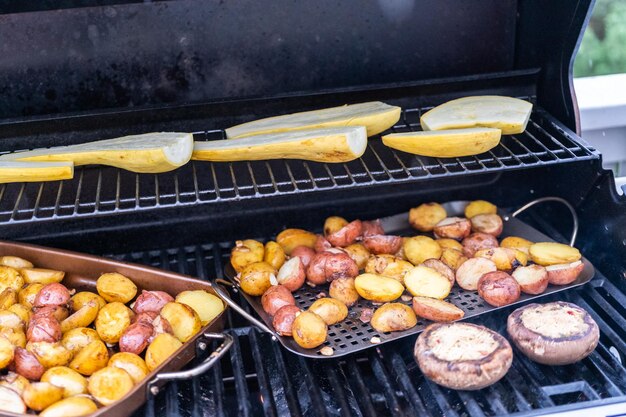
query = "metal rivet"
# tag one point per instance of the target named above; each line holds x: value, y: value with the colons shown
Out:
x: 202, y: 346
x: 154, y: 390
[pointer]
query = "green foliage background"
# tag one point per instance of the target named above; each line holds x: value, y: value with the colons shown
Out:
x: 603, y: 49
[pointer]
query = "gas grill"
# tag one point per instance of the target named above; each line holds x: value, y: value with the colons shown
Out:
x: 86, y: 70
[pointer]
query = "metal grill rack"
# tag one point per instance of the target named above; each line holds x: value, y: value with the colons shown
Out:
x: 261, y: 378
x: 96, y: 191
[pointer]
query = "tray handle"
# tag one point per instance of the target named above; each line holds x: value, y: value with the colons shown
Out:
x: 555, y: 199
x: 232, y: 304
x: 215, y: 356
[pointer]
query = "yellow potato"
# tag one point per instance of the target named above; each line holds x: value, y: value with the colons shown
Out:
x: 452, y: 258
x: 81, y: 318
x: 504, y: 258
x: 17, y: 337
x: 289, y: 239
x: 309, y: 330
x: 6, y: 352
x: 8, y: 297
x: 14, y: 381
x: 11, y: 320
x: 479, y: 207
x: 41, y: 275
x: 116, y: 287
x: 358, y: 253
x: 49, y: 354
x: 447, y: 243
x: 74, y: 406
x: 11, y: 401
x: 274, y: 255
x: 419, y: 248
x: 378, y: 288
x: 333, y: 224
x: 131, y: 363
x: 246, y: 252
x: 76, y: 339
x: 343, y: 289
x: 330, y: 310
x: 256, y: 278
x: 393, y: 317
x: 514, y: 242
x: 22, y: 312
x: 207, y: 305
x: 427, y: 282
x: 184, y: 320
x: 110, y: 384
x: 10, y: 278
x: 71, y: 381
x: 161, y: 348
x: 388, y: 266
x: 112, y: 320
x: 39, y: 395
x: 83, y: 297
x: 91, y: 358
x: 552, y: 253
x: 27, y: 295
x: 425, y: 216
x: 15, y: 262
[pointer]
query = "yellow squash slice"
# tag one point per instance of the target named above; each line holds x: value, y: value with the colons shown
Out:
x: 375, y: 116
x: 505, y: 113
x: 11, y: 171
x: 445, y: 143
x: 150, y: 152
x: 337, y: 144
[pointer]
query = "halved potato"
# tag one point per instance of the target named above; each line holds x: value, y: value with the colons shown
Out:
x: 447, y: 243
x: 359, y: 254
x: 161, y: 348
x: 184, y: 320
x: 452, y: 258
x: 453, y: 228
x: 22, y: 312
x: 490, y: 224
x: 533, y: 279
x: 330, y: 310
x: 427, y: 282
x: 207, y: 305
x: 478, y: 241
x: 552, y: 253
x: 468, y: 274
x: 393, y: 317
x: 73, y: 406
x: 6, y: 352
x: 564, y: 274
x: 344, y: 290
x: 382, y: 244
x: 26, y: 296
x: 289, y: 239
x: 10, y: 278
x: 436, y: 310
x: 27, y: 365
x: 344, y: 235
x: 91, y: 358
x: 131, y: 363
x: 293, y: 273
x: 419, y: 248
x: 15, y: 262
x: 39, y: 395
x: 378, y: 288
x: 8, y: 297
x: 480, y: 207
x: 519, y: 243
x: 389, y: 266
x: 442, y: 268
x: 498, y: 288
x: 246, y: 252
x: 15, y: 381
x: 71, y: 381
x: 11, y: 401
x: 116, y: 287
x: 81, y: 318
x: 505, y: 259
x: 110, y: 384
x: 112, y: 320
x: 41, y: 275
x: 426, y: 216
x: 50, y: 354
x: 76, y: 339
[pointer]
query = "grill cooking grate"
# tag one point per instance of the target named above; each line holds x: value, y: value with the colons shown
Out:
x: 261, y: 378
x: 96, y: 191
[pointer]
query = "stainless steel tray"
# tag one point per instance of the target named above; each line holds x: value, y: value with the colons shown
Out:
x: 352, y: 335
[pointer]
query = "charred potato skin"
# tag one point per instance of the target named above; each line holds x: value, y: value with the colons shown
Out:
x: 283, y: 319
x: 330, y: 310
x: 456, y: 228
x: 275, y: 297
x: 344, y: 290
x: 309, y: 330
x: 246, y: 252
x: 498, y: 288
x: 467, y: 375
x: 346, y: 235
x: 393, y: 317
x: 426, y: 216
x: 478, y: 241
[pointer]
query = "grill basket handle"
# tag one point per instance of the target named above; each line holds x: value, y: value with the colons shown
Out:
x: 554, y: 199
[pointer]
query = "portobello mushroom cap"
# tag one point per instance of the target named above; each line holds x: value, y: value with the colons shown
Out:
x: 462, y: 356
x: 557, y: 333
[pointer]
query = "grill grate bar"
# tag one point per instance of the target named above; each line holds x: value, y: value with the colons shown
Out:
x: 262, y: 378
x: 365, y: 402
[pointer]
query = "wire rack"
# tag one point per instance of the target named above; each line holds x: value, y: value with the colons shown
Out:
x: 98, y: 190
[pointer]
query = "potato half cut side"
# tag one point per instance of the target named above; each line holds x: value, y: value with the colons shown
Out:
x: 557, y: 333
x: 506, y: 113
x: 375, y: 116
x: 11, y: 171
x: 436, y: 310
x: 335, y: 144
x: 462, y: 356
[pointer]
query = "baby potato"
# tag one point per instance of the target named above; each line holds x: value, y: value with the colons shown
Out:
x: 453, y: 228
x: 82, y: 318
x: 283, y: 319
x: 41, y: 275
x: 504, y: 258
x: 6, y: 352
x: 372, y: 227
x: 74, y: 406
x: 10, y: 278
x: 27, y: 365
x: 276, y: 297
x: 477, y: 241
x: 11, y: 401
x: 330, y: 310
x: 136, y: 337
x: 26, y: 296
x: 8, y: 297
x: 519, y: 243
x: 44, y: 329
x: 116, y: 287
x: 131, y: 363
x: 293, y: 273
x: 490, y: 224
x: 10, y: 319
x: 246, y: 252
x: 59, y: 313
x: 470, y: 271
x: 345, y: 235
x: 427, y: 282
x: 15, y: 262
x: 81, y: 298
x: 256, y: 278
x: 91, y: 358
x: 447, y: 243
x: 426, y: 216
x: 21, y: 311
x: 305, y: 254
x: 39, y: 395
x: 207, y: 305
x: 184, y: 320
x: 382, y: 244
x: 393, y: 317
x: 111, y: 321
x: 162, y: 347
x: 289, y: 239
x: 14, y: 381
x: 452, y: 258
x: 328, y: 266
x: 17, y: 337
x: 344, y: 290
x: 533, y: 279
x: 321, y: 244
x: 419, y: 248
x: 334, y: 224
x: 359, y: 254
x: 564, y: 274
x: 76, y: 339
x: 552, y: 253
x: 274, y: 255
x: 442, y: 268
x: 477, y: 207
x: 309, y: 330
x: 436, y: 310
x: 498, y: 288
x: 71, y: 381
x: 378, y: 288
x: 54, y: 294
x: 49, y: 354
x: 151, y: 301
x: 389, y: 266
x: 109, y: 384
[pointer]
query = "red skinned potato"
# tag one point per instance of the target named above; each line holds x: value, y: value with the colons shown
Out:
x: 53, y: 294
x: 564, y: 274
x: 146, y: 316
x: 275, y: 297
x: 532, y: 279
x: 292, y: 274
x: 304, y: 253
x: 136, y: 337
x: 27, y: 365
x: 478, y: 241
x: 371, y: 228
x: 498, y: 288
x: 321, y: 244
x: 346, y: 235
x: 60, y: 313
x: 151, y: 301
x: 44, y: 329
x: 382, y: 244
x: 436, y: 310
x: 440, y: 267
x: 283, y: 319
x: 453, y: 227
x: 490, y: 224
x: 328, y: 266
x: 161, y: 325
x: 470, y: 271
